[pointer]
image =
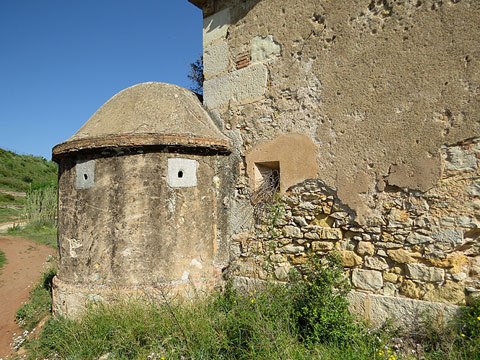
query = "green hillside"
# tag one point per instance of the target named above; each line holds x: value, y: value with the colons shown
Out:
x: 21, y: 172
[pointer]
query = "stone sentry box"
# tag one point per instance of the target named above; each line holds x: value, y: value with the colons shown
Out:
x: 141, y: 200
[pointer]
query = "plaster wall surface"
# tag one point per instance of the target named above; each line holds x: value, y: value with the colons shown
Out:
x: 379, y: 87
x: 132, y: 229
x: 388, y: 95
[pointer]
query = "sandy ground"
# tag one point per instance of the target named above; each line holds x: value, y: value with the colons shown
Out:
x: 26, y: 261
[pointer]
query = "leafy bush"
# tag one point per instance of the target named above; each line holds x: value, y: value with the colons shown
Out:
x: 321, y: 306
x: 264, y: 324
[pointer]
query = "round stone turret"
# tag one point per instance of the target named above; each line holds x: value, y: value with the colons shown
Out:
x: 141, y: 192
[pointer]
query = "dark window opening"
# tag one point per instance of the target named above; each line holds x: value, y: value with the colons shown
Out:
x: 85, y: 176
x: 180, y: 174
x: 267, y: 185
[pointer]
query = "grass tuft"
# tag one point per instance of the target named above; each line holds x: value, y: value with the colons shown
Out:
x: 40, y: 304
x: 3, y: 259
x: 41, y: 231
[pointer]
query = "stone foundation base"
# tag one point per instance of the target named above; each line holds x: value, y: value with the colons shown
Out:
x: 376, y: 309
x: 70, y: 299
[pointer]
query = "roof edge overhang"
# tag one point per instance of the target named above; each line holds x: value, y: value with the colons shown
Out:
x: 198, y: 3
x: 139, y: 141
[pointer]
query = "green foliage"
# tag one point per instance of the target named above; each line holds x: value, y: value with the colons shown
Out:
x: 9, y: 214
x: 41, y: 231
x: 3, y: 259
x: 7, y: 198
x: 263, y: 324
x: 41, y: 203
x: 469, y: 318
x: 30, y: 314
x: 18, y: 172
x: 196, y: 75
x: 321, y: 306
x: 274, y: 214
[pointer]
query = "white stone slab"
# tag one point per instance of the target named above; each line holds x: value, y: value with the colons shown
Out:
x: 237, y: 86
x: 216, y: 26
x: 182, y: 172
x: 216, y: 59
x: 85, y: 174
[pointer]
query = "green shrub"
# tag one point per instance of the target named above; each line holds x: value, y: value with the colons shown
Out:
x: 321, y: 306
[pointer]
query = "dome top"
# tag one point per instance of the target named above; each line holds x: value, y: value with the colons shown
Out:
x: 146, y: 114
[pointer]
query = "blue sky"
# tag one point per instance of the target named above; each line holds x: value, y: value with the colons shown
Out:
x: 61, y: 60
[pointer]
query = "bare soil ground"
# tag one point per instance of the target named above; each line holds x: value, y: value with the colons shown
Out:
x: 26, y: 261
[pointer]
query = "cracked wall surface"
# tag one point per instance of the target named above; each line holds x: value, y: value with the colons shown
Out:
x: 388, y: 93
x: 379, y: 86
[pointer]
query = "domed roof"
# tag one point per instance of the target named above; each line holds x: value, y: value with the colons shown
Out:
x: 147, y: 114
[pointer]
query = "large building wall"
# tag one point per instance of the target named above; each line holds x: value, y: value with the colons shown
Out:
x: 387, y: 94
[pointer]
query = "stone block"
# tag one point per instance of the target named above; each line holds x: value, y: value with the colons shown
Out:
x: 367, y: 279
x: 402, y: 256
x: 322, y: 245
x: 85, y: 174
x: 416, y: 238
x: 330, y: 233
x: 216, y: 59
x: 424, y: 273
x: 182, y: 172
x: 292, y: 249
x: 300, y: 220
x: 293, y: 232
x: 405, y: 313
x: 365, y: 248
x: 460, y: 159
x: 389, y: 289
x: 357, y: 304
x: 312, y: 236
x: 473, y: 189
x: 451, y: 293
x: 456, y: 263
x: 411, y: 289
x: 350, y: 259
x: 376, y: 263
x: 323, y: 220
x: 246, y: 84
x: 281, y: 273
x: 451, y: 236
x: 264, y: 48
x: 216, y: 26
x: 390, y: 277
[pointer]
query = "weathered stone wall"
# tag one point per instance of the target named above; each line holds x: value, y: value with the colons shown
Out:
x: 379, y: 86
x: 129, y: 223
x: 419, y: 245
x: 388, y: 92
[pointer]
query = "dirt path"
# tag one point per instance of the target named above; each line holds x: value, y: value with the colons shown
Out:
x: 25, y: 263
x: 13, y: 193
